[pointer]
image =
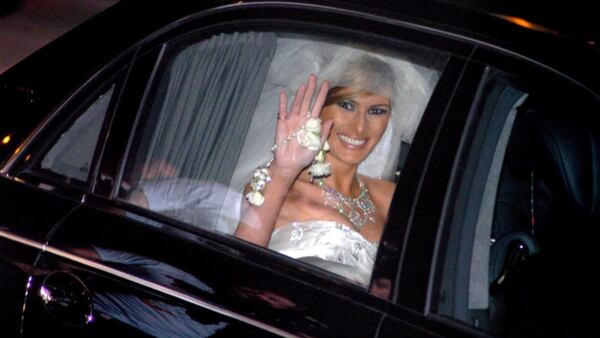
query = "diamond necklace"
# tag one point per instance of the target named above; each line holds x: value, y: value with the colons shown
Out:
x: 359, y: 210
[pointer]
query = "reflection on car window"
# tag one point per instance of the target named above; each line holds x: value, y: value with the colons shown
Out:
x: 521, y: 246
x: 211, y: 121
x: 71, y: 156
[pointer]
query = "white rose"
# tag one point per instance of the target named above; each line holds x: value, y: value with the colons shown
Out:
x: 313, y: 125
x: 258, y: 184
x: 255, y: 198
x: 309, y: 140
x: 320, y: 169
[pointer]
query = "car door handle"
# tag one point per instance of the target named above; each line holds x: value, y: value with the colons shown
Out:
x: 517, y: 247
x: 66, y: 298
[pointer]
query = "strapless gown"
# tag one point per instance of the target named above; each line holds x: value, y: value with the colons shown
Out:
x: 329, y: 245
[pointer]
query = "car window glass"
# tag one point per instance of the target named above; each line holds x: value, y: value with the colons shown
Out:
x: 209, y: 123
x: 71, y: 156
x: 516, y: 242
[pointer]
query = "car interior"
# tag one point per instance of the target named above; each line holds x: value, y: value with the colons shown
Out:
x: 249, y: 142
x: 520, y: 246
x: 546, y: 219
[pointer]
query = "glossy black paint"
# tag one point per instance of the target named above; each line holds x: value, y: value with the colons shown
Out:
x: 15, y: 266
x: 195, y: 266
x: 391, y: 253
x: 21, y: 231
x: 234, y: 284
x: 120, y: 307
x: 423, y: 236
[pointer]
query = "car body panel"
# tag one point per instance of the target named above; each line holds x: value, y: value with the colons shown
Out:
x: 23, y: 234
x: 194, y: 266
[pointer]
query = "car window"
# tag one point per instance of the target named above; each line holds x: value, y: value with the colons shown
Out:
x: 516, y: 245
x: 209, y: 122
x: 71, y: 155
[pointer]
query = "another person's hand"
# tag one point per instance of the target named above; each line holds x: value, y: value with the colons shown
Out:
x: 158, y: 169
x: 290, y: 158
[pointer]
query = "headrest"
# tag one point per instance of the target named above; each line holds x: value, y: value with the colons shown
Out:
x: 564, y: 151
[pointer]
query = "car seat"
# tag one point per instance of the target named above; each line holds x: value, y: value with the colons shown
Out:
x: 546, y: 221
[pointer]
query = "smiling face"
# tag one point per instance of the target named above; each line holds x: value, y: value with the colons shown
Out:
x: 359, y: 121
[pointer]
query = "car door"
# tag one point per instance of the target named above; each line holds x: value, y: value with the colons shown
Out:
x: 500, y: 227
x: 59, y: 298
x: 109, y: 268
x: 28, y: 215
x: 413, y: 280
x: 116, y: 266
x: 36, y: 198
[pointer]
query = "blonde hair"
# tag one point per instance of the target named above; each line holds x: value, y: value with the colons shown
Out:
x: 366, y: 73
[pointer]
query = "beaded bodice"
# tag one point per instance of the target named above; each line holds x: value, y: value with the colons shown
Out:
x: 330, y: 245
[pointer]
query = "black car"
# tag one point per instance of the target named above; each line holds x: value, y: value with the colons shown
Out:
x: 491, y: 230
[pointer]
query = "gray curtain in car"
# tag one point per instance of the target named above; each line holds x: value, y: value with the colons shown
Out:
x: 212, y: 92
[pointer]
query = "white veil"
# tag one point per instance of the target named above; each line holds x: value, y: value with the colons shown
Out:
x: 294, y: 60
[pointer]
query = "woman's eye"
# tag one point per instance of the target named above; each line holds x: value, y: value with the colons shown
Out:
x: 378, y: 111
x: 346, y: 105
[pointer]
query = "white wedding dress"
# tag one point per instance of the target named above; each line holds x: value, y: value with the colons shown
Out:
x: 329, y: 245
x: 332, y: 246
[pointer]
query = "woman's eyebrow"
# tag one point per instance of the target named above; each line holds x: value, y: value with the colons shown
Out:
x: 380, y: 105
x: 350, y: 98
x: 355, y: 98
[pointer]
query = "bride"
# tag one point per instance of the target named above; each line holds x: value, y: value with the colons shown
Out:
x: 309, y: 202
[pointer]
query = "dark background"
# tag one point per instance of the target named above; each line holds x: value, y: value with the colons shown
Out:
x: 26, y: 25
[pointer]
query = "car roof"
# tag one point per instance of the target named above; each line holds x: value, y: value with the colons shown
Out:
x: 73, y: 58
x: 577, y: 19
x: 486, y: 22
